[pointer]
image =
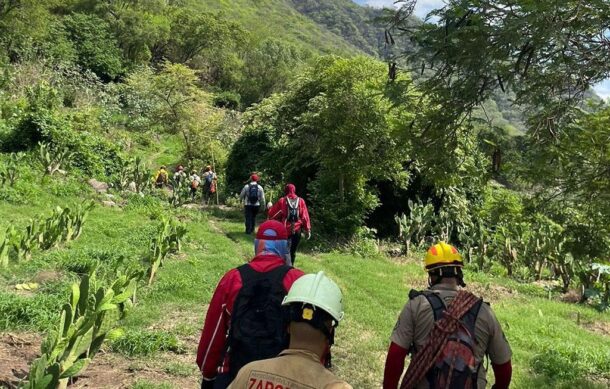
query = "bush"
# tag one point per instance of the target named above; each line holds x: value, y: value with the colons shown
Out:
x: 227, y: 99
x: 143, y: 343
x: 572, y: 364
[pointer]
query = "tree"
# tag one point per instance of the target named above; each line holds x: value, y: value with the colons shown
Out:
x: 96, y: 47
x: 548, y: 53
x: 269, y: 67
x: 339, y: 126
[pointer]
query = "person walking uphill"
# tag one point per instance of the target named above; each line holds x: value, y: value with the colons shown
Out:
x: 253, y: 197
x: 316, y: 308
x: 210, y: 181
x: 292, y: 211
x: 245, y: 321
x: 449, y: 331
x: 161, y: 177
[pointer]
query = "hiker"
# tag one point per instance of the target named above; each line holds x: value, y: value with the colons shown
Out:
x: 235, y: 332
x: 195, y: 181
x: 291, y: 210
x: 316, y: 308
x: 179, y: 175
x: 429, y: 317
x: 253, y: 197
x: 209, y: 184
x: 161, y: 177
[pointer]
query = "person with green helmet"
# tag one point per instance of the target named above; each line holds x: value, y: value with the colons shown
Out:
x: 315, y: 304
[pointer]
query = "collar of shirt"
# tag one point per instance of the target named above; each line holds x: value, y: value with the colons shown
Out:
x: 444, y: 287
x: 264, y: 263
x: 301, y: 353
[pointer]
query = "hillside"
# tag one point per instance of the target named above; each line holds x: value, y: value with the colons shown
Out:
x: 348, y: 20
x: 280, y: 19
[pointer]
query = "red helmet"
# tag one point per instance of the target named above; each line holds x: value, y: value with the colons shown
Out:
x: 272, y: 230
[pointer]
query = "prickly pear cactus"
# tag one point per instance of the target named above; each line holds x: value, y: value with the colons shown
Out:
x: 85, y: 322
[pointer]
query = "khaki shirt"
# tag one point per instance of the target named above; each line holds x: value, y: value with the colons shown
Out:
x: 417, y: 319
x: 292, y: 369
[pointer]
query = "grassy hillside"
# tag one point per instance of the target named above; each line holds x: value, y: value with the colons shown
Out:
x: 279, y: 19
x: 348, y: 20
x: 555, y: 344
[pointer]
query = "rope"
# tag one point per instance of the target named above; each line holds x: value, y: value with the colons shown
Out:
x: 437, y: 339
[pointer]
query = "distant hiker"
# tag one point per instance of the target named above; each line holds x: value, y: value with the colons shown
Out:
x: 179, y: 175
x: 316, y: 308
x: 448, y: 331
x: 291, y: 210
x: 161, y: 177
x: 245, y: 321
x: 195, y: 181
x: 209, y: 184
x: 253, y: 197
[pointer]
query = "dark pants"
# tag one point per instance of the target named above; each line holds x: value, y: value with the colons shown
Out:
x: 295, y: 239
x: 251, y: 211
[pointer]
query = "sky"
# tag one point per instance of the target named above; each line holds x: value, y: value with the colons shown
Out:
x: 424, y: 6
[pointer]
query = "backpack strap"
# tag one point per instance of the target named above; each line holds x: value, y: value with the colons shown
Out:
x: 437, y: 304
x: 435, y: 301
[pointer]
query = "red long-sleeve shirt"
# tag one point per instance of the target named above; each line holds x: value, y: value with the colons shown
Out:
x: 211, y: 357
x: 279, y: 212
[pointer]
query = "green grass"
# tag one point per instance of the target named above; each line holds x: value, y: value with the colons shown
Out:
x: 550, y: 340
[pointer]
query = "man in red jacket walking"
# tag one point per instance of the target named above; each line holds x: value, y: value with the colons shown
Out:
x: 233, y: 333
x: 291, y: 210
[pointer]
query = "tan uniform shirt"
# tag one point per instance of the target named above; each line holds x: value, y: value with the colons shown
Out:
x: 417, y: 319
x: 292, y: 369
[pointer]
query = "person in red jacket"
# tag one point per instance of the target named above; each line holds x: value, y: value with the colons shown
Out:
x: 291, y: 210
x: 214, y: 354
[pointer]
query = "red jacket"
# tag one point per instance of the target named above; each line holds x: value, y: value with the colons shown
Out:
x: 279, y: 212
x: 212, y: 344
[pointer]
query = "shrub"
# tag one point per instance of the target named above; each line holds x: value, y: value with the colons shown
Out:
x: 143, y: 343
x: 572, y: 363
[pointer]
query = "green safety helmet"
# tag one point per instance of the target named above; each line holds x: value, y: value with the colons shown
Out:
x: 319, y: 291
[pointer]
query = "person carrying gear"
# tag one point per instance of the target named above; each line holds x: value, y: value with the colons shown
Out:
x: 253, y: 197
x: 179, y: 175
x: 448, y: 331
x: 292, y: 211
x: 245, y: 320
x: 315, y: 304
x: 209, y: 184
x: 161, y: 177
x: 195, y: 181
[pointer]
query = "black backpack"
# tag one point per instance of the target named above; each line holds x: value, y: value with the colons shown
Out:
x: 259, y: 323
x: 253, y: 194
x: 456, y: 366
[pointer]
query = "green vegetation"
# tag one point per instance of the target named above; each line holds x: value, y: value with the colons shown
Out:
x: 95, y: 96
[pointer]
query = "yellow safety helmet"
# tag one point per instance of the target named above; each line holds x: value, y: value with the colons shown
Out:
x: 441, y: 255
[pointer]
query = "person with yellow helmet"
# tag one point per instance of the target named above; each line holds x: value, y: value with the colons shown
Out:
x: 448, y: 331
x: 315, y: 304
